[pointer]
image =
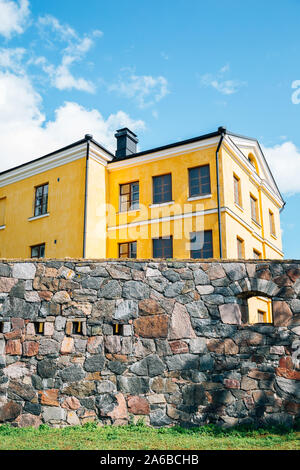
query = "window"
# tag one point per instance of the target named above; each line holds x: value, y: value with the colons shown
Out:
x: 38, y: 251
x: 162, y: 188
x: 201, y: 244
x: 256, y: 254
x: 129, y: 196
x: 41, y: 200
x: 39, y: 327
x: 254, y: 209
x: 237, y: 190
x: 272, y: 223
x: 261, y: 315
x: 163, y: 247
x: 117, y: 329
x: 199, y: 180
x: 2, y: 211
x: 127, y: 250
x: 240, y: 248
x: 77, y: 328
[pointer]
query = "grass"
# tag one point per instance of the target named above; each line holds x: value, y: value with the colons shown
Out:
x: 141, y: 437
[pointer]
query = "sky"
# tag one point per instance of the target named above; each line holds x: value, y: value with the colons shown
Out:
x: 168, y: 69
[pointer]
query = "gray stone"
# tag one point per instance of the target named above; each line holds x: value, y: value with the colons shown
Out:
x: 126, y: 309
x: 290, y: 387
x: 200, y: 277
x: 197, y: 309
x: 106, y: 386
x: 150, y: 366
x: 53, y: 413
x: 171, y: 275
x: 174, y: 289
x: 194, y: 395
x: 73, y: 373
x: 235, y: 271
x: 159, y: 418
x: 197, y: 345
x: 110, y: 289
x: 94, y: 363
x: 48, y: 347
x: 133, y: 385
x: 23, y: 270
x: 105, y: 403
x: 135, y: 290
x: 182, y: 361
x: 46, y: 368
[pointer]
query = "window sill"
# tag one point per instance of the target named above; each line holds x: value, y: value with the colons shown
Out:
x: 36, y: 217
x: 2, y: 227
x: 195, y: 198
x: 161, y: 204
x: 129, y: 210
x: 239, y: 207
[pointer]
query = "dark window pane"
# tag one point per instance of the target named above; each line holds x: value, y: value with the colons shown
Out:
x: 127, y: 250
x: 129, y: 196
x: 201, y: 244
x: 162, y: 189
x: 163, y: 247
x: 199, y: 180
x: 38, y: 251
x: 133, y: 250
x: 41, y: 200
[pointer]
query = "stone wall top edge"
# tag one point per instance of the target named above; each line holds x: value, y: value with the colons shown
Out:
x: 148, y: 260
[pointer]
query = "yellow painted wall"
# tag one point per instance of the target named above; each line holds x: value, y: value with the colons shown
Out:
x: 65, y: 208
x: 259, y: 303
x: 143, y: 172
x: 96, y: 210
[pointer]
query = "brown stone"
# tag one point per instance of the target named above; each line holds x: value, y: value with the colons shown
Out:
x: 45, y: 295
x: 291, y: 407
x: 28, y: 420
x: 94, y: 344
x: 215, y: 271
x: 154, y: 326
x: 9, y: 411
x: 257, y: 374
x: 17, y: 323
x: 150, y: 307
x: 30, y: 348
x: 13, y: 347
x: 119, y: 411
x: 230, y: 314
x: 180, y: 326
x: 283, y: 281
x: 49, y: 397
x: 282, y: 313
x: 179, y: 347
x: 7, y: 283
x: 286, y: 362
x: 71, y: 403
x: 231, y: 383
x: 230, y: 348
x: 138, y: 405
x: 264, y: 274
x: 15, y: 334
x: 67, y: 345
x: 294, y: 274
x: 288, y: 373
x: 216, y: 346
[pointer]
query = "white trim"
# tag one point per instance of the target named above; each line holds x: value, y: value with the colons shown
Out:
x: 40, y: 166
x: 196, y: 198
x: 162, y: 154
x: 161, y: 204
x: 2, y: 227
x: 36, y: 217
x: 163, y: 219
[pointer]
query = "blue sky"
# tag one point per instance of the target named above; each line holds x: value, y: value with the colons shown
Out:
x: 168, y: 69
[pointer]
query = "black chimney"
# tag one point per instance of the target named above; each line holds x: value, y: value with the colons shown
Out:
x: 126, y: 143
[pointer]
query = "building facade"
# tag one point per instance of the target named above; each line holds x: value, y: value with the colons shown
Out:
x: 212, y: 196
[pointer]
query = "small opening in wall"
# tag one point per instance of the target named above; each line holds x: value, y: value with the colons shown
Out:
x: 39, y: 327
x: 77, y: 328
x: 1, y: 326
x: 117, y: 329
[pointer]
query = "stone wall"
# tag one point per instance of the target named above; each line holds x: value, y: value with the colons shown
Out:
x: 119, y: 340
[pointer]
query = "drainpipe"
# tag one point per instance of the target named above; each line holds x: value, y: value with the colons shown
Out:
x: 88, y: 137
x: 222, y: 131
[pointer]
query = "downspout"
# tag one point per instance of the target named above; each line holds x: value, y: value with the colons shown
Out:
x: 222, y: 131
x: 88, y: 137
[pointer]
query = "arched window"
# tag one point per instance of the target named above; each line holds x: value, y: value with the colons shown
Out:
x: 253, y: 162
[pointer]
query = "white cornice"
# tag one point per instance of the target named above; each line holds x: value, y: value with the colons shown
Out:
x: 99, y: 155
x: 39, y: 166
x: 167, y: 153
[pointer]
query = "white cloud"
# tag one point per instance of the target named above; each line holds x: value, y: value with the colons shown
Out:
x: 144, y: 89
x: 26, y: 134
x: 220, y: 83
x: 52, y: 31
x: 14, y: 16
x: 284, y: 162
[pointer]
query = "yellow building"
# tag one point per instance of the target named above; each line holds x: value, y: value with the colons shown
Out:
x: 211, y: 196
